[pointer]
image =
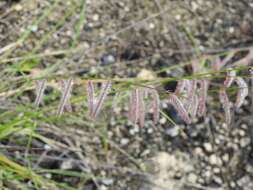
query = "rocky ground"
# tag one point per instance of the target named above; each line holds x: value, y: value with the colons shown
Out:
x: 126, y: 39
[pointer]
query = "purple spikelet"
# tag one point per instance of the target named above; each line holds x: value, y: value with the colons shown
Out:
x: 242, y: 92
x: 202, y: 97
x: 142, y: 108
x: 179, y: 107
x: 191, y: 94
x: 225, y: 104
x: 134, y: 106
x: 251, y: 83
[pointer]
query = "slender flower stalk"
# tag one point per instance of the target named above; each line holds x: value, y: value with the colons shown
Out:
x: 189, y: 98
x: 245, y: 60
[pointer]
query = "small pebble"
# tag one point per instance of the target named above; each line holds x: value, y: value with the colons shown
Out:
x: 107, y: 59
x: 217, y: 180
x: 34, y: 28
x: 172, y: 131
x: 18, y: 7
x: 151, y: 26
x: 150, y: 130
x: 192, y: 178
x: 214, y: 160
x: 102, y: 187
x: 107, y: 181
x: 208, y: 147
x: 244, y: 142
x: 208, y: 174
x: 225, y: 157
x: 48, y: 175
x: 47, y: 147
x: 162, y: 120
x: 67, y: 164
x: 95, y: 17
x: 198, y: 151
x: 216, y: 170
x: 124, y: 141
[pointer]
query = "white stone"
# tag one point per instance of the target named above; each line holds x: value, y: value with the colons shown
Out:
x: 124, y: 141
x: 231, y: 30
x: 150, y: 130
x: 198, y: 151
x: 163, y: 120
x: 215, y: 160
x: 225, y: 157
x: 95, y: 17
x: 178, y: 17
x: 47, y: 147
x: 67, y: 164
x: 18, y: 7
x: 151, y: 25
x: 192, y: 178
x: 194, y: 6
x: 34, y: 28
x: 244, y: 142
x: 208, y: 147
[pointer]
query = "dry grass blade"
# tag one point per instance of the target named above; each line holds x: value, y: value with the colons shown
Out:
x: 40, y: 89
x: 226, y: 59
x: 101, y: 98
x: 246, y: 60
x: 216, y: 64
x: 196, y: 66
x: 66, y: 93
x: 179, y: 107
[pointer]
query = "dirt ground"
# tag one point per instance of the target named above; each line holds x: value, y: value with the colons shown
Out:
x: 123, y: 39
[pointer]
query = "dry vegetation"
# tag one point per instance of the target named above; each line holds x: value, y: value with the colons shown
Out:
x: 56, y: 134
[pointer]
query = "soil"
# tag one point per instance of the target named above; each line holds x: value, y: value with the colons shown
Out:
x: 121, y: 39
